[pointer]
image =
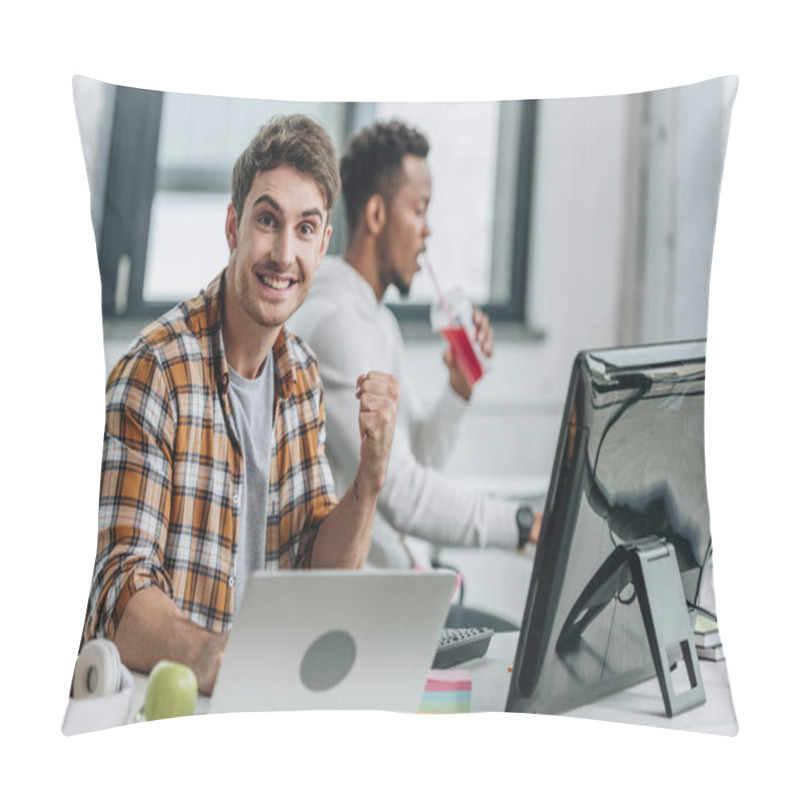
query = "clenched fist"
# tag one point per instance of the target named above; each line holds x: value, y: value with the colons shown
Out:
x: 379, y: 394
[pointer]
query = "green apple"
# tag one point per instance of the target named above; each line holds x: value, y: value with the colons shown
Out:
x: 171, y: 691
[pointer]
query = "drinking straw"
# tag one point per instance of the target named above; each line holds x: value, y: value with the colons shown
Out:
x: 426, y: 261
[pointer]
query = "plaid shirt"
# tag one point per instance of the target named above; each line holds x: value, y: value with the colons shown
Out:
x: 173, y: 468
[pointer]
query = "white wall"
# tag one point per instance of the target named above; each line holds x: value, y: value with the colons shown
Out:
x: 685, y: 154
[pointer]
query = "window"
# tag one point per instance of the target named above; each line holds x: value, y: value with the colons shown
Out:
x: 200, y: 139
x: 480, y: 161
x: 168, y: 185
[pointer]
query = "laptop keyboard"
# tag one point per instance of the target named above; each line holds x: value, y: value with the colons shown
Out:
x: 457, y: 645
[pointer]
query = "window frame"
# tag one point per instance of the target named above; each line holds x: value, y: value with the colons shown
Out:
x: 521, y: 127
x: 131, y: 187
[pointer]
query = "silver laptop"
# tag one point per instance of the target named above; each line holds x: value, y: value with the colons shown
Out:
x: 331, y: 639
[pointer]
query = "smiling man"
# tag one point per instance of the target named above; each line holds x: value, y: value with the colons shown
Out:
x: 214, y: 460
x: 386, y: 184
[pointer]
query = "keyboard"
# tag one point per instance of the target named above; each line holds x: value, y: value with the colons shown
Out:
x: 457, y: 645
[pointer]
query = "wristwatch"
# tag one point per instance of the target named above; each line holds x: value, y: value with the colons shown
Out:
x: 524, y: 524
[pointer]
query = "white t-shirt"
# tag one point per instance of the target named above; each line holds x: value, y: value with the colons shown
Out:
x: 351, y: 332
x: 251, y: 401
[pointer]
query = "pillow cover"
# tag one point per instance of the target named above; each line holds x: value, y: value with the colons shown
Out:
x: 583, y: 223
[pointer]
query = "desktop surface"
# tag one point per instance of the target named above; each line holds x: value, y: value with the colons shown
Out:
x: 641, y: 704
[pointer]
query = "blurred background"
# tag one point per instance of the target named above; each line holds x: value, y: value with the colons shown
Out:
x: 577, y: 223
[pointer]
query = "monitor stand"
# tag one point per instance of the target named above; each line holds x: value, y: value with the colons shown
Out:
x: 651, y: 566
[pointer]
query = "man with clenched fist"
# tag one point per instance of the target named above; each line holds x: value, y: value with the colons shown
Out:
x: 214, y: 458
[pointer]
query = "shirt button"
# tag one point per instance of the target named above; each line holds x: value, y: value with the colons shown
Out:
x: 236, y: 500
x: 231, y: 581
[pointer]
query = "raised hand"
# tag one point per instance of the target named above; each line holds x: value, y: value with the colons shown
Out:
x: 379, y: 394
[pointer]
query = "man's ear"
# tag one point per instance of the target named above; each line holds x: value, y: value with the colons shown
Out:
x: 375, y: 214
x: 230, y: 227
x: 326, y: 238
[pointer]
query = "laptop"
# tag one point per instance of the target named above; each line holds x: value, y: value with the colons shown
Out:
x: 333, y: 639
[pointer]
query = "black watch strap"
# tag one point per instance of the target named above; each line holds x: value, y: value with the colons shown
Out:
x: 524, y: 524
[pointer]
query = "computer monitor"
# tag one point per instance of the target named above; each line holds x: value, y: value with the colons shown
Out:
x: 625, y: 535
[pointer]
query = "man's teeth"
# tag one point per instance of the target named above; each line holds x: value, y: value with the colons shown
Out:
x: 275, y: 283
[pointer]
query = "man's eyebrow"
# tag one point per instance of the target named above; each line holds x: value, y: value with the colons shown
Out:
x: 313, y: 212
x: 269, y: 200
x: 273, y: 203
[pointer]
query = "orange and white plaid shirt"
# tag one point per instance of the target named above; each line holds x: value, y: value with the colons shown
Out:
x: 173, y: 468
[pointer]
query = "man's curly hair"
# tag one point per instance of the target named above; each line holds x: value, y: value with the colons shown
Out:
x: 372, y: 163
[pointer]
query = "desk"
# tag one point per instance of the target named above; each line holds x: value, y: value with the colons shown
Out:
x: 641, y: 704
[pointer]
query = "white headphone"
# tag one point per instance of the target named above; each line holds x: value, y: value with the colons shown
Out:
x: 102, y: 690
x: 99, y: 671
